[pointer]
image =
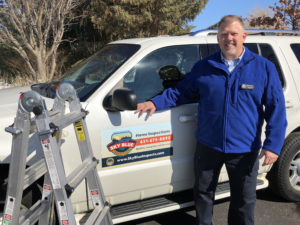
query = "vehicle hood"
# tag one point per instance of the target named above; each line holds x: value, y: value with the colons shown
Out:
x: 9, y: 98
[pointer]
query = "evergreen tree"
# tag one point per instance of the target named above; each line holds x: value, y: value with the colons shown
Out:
x: 117, y: 19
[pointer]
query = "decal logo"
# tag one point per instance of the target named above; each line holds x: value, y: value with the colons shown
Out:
x: 110, y: 161
x: 121, y: 143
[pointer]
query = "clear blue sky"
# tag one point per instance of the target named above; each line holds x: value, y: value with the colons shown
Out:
x: 216, y: 9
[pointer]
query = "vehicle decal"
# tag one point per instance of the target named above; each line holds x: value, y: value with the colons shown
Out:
x: 121, y: 143
x: 135, y: 144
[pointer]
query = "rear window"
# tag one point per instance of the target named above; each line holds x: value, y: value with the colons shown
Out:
x: 296, y: 50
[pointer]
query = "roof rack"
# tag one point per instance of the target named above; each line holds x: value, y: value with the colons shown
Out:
x: 249, y: 31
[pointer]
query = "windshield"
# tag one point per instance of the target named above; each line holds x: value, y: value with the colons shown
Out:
x: 88, y: 75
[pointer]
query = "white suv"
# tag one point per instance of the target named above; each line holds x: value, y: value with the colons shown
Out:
x: 154, y: 174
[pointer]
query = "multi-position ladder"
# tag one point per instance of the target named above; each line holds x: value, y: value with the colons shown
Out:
x: 57, y: 187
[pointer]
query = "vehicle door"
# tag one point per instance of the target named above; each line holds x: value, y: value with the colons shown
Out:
x: 147, y: 156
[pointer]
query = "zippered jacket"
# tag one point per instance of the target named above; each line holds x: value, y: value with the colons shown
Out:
x: 233, y: 106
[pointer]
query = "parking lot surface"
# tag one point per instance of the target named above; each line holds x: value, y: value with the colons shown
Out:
x: 270, y: 210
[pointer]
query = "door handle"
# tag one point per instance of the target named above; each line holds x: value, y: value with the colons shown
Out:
x: 288, y: 105
x: 187, y: 118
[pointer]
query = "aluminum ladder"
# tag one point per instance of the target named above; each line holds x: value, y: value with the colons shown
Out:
x: 57, y: 187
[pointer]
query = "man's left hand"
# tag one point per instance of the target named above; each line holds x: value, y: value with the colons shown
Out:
x: 270, y: 157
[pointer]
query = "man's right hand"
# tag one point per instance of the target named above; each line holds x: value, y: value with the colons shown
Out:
x: 145, y: 106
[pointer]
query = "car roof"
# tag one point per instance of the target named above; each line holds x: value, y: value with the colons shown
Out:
x: 162, y: 39
x: 203, y: 37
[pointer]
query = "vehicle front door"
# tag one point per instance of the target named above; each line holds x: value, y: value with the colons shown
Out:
x: 148, y: 156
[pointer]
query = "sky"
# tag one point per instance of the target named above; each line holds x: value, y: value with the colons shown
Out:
x: 216, y: 9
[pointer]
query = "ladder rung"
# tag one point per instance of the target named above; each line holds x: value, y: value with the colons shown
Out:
x: 12, y: 130
x: 34, y: 172
x: 67, y: 119
x: 53, y: 113
x: 32, y: 214
x: 98, y: 214
x: 75, y: 178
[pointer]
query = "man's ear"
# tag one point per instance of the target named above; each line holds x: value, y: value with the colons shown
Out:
x: 244, y: 35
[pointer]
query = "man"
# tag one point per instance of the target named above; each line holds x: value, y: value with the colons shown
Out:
x: 237, y: 91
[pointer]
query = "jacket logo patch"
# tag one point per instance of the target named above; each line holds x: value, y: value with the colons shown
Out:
x: 247, y: 86
x: 121, y: 143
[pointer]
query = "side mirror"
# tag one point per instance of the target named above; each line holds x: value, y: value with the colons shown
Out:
x: 170, y: 75
x: 120, y: 100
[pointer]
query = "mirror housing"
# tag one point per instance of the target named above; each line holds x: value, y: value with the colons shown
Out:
x: 120, y: 100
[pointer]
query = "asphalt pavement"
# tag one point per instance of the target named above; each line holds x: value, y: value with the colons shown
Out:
x: 270, y: 210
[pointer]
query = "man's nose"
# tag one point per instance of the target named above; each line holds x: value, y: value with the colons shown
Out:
x: 229, y: 37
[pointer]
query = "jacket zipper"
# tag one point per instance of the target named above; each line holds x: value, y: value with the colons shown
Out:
x: 226, y: 111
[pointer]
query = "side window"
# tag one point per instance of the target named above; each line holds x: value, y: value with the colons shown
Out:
x: 143, y: 79
x: 204, y: 51
x: 253, y: 47
x: 213, y: 48
x: 267, y: 52
x: 296, y: 50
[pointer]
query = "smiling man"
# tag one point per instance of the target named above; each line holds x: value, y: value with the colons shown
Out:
x: 231, y: 37
x: 237, y: 91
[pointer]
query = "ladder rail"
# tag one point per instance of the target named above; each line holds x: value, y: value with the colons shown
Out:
x: 15, y: 185
x: 57, y: 187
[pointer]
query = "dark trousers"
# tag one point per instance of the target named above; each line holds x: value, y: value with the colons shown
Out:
x: 242, y: 170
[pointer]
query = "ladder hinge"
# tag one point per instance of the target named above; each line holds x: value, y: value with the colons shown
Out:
x: 69, y: 190
x: 94, y: 159
x: 53, y: 128
x: 84, y: 111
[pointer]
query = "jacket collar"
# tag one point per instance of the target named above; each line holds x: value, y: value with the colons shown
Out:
x: 216, y: 61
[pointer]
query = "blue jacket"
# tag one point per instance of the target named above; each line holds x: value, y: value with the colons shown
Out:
x: 232, y: 106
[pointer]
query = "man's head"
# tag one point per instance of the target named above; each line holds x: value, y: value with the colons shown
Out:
x: 231, y: 36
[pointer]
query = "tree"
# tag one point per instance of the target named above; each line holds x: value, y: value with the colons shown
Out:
x: 286, y: 16
x: 34, y: 30
x: 117, y: 19
x: 11, y: 65
x: 86, y: 38
x: 259, y: 12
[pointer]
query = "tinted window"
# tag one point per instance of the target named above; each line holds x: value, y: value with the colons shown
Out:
x: 296, y: 50
x: 253, y: 47
x: 212, y: 48
x: 203, y: 51
x: 267, y: 52
x: 144, y: 80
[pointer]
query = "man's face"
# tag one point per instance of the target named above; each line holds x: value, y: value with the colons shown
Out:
x: 231, y: 38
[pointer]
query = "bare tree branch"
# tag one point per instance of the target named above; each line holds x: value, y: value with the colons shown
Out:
x: 286, y: 16
x: 34, y: 29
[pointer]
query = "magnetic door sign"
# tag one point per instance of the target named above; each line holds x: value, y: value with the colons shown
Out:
x: 134, y: 144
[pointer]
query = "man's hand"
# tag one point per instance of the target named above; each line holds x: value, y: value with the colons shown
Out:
x: 145, y: 106
x: 270, y: 157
